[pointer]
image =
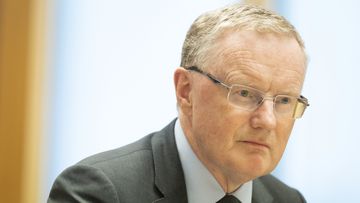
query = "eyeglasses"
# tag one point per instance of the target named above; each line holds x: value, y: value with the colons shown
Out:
x: 248, y: 98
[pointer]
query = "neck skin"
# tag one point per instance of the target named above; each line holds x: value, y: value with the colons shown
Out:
x: 225, y: 182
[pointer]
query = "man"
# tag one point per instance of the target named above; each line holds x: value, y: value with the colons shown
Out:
x: 238, y: 95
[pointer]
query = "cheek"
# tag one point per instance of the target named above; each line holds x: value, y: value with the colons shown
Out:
x: 282, y: 137
x: 219, y: 120
x: 212, y: 124
x: 218, y: 131
x: 209, y: 109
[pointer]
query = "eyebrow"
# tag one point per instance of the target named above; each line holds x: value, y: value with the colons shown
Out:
x: 248, y: 78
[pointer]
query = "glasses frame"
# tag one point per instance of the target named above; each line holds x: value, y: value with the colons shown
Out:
x: 300, y: 106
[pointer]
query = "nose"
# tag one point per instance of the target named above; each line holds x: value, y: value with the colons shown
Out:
x: 264, y: 116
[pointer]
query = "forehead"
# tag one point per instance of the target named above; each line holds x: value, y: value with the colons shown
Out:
x: 264, y: 59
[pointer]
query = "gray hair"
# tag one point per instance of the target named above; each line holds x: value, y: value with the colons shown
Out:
x: 208, y: 26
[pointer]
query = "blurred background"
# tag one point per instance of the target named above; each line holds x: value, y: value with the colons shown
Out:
x: 80, y: 76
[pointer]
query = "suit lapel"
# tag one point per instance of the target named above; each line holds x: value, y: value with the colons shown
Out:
x: 169, y: 177
x: 260, y: 193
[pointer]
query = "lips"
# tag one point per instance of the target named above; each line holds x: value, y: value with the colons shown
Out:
x: 256, y: 143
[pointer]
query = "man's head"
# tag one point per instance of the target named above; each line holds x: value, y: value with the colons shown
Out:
x: 235, y: 61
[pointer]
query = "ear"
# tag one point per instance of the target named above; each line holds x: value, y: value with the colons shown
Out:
x: 183, y: 86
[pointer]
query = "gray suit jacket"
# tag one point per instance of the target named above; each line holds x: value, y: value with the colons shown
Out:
x: 148, y: 170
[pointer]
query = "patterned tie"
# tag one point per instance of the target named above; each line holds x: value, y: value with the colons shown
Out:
x: 229, y: 199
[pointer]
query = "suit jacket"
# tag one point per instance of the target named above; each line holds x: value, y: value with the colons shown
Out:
x: 148, y: 170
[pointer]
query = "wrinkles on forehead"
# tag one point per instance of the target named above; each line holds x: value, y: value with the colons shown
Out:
x: 278, y: 82
x: 231, y: 44
x: 269, y: 63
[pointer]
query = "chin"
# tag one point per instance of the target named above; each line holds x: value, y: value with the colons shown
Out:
x: 257, y: 168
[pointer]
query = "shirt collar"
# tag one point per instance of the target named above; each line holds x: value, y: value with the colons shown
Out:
x: 201, y: 186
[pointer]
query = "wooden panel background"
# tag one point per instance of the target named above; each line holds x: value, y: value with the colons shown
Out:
x: 21, y: 71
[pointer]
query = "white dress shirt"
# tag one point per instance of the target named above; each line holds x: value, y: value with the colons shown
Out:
x: 201, y: 186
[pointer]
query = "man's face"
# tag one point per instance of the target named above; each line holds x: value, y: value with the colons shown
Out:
x: 239, y: 145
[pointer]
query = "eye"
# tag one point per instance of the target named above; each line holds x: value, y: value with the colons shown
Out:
x: 244, y: 93
x: 284, y: 100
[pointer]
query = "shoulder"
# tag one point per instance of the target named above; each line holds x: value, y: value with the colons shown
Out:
x: 108, y: 175
x: 137, y: 152
x: 279, y: 190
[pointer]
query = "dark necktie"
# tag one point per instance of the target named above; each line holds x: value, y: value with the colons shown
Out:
x: 229, y: 199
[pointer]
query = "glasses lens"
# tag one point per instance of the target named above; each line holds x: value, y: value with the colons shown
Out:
x: 249, y: 99
x: 284, y: 105
x: 244, y: 97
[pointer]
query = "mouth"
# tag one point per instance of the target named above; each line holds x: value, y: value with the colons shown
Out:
x: 256, y: 144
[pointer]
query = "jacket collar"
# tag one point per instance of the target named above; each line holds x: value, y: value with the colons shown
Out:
x: 169, y: 177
